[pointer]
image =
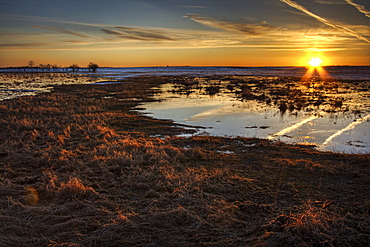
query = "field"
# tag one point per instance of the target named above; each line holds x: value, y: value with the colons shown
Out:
x: 79, y: 167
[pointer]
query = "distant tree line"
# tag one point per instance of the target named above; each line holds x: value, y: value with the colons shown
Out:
x: 54, y: 67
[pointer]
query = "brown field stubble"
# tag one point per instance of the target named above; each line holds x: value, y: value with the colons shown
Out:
x: 78, y: 168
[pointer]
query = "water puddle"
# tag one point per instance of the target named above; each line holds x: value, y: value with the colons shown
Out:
x: 330, y: 114
x: 13, y: 85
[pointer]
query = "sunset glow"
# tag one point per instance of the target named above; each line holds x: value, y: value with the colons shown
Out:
x: 315, y: 68
x: 185, y: 122
x: 315, y: 62
x: 177, y: 33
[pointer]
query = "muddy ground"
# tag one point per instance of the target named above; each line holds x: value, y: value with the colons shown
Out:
x: 79, y: 167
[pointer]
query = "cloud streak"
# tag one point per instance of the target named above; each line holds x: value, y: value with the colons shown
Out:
x: 329, y: 2
x: 138, y: 34
x: 244, y: 28
x: 49, y: 20
x: 228, y: 34
x: 325, y: 21
x: 193, y: 6
x: 359, y: 8
x: 61, y: 30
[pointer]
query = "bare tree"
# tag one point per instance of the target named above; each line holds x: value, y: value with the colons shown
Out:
x: 48, y: 66
x: 92, y: 66
x: 31, y: 64
x: 74, y: 67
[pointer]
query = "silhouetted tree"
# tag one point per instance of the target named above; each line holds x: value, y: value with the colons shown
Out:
x: 92, y: 66
x: 74, y: 67
x: 31, y: 64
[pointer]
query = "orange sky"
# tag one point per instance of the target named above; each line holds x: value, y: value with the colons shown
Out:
x: 196, y: 33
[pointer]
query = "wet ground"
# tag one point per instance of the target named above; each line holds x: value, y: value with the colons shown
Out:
x: 328, y: 113
x: 13, y: 85
x: 79, y: 167
x: 332, y: 114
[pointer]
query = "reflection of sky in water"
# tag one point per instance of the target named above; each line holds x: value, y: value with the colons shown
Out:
x: 224, y: 115
x: 24, y: 84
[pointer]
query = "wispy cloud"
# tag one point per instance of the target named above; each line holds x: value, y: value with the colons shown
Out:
x: 45, y: 45
x: 329, y: 2
x: 49, y: 20
x: 255, y: 29
x: 341, y: 28
x: 263, y: 32
x: 194, y: 7
x: 247, y: 33
x: 61, y: 30
x: 359, y: 7
x: 145, y: 34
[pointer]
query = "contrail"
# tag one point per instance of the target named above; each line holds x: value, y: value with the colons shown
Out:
x: 359, y: 7
x: 293, y: 127
x: 323, y: 20
x: 349, y: 127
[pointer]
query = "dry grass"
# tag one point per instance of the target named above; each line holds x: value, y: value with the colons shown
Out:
x: 78, y: 169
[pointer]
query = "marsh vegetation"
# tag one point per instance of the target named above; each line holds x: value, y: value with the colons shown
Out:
x: 80, y: 167
x: 329, y: 113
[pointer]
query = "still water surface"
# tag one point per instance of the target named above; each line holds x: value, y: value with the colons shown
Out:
x: 333, y: 115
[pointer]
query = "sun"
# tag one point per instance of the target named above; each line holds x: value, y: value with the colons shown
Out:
x: 315, y: 62
x: 316, y: 69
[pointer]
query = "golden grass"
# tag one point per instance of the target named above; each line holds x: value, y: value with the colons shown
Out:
x: 73, y: 189
x: 78, y: 169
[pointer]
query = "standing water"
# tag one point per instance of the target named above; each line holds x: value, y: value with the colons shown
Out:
x: 270, y: 102
x: 331, y: 114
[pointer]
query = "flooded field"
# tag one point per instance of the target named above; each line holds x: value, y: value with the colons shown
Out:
x: 330, y: 114
x: 14, y: 85
x: 273, y: 103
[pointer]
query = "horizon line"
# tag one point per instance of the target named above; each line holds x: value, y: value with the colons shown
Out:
x: 195, y: 66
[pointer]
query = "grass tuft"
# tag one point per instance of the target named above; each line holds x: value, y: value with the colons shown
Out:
x: 74, y: 189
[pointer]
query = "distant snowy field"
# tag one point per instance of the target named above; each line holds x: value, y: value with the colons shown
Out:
x: 13, y: 86
x: 336, y: 72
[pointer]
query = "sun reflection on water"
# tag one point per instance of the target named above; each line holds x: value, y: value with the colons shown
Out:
x: 289, y: 110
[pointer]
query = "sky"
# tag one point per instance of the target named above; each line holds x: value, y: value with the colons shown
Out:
x: 133, y: 33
